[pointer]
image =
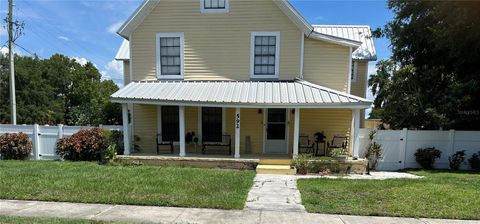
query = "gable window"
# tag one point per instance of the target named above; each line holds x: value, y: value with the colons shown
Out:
x: 264, y: 55
x: 170, y: 55
x: 214, y: 6
x: 170, y: 127
x: 354, y: 71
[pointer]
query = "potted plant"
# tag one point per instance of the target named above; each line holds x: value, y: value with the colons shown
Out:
x: 338, y: 154
x: 301, y: 163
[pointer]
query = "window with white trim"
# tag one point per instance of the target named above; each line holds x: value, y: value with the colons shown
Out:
x: 354, y: 71
x: 170, y: 55
x: 264, y: 58
x: 214, y: 6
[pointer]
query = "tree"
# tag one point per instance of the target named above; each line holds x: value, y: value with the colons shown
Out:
x: 436, y: 53
x: 58, y: 90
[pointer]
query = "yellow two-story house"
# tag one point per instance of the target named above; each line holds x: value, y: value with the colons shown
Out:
x: 250, y: 76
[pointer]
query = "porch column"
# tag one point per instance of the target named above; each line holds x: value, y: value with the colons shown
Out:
x: 354, y: 142
x: 126, y: 125
x: 237, y: 132
x: 296, y: 131
x: 181, y: 122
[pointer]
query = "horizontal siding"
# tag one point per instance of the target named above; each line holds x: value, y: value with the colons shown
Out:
x: 359, y: 87
x: 126, y: 72
x: 217, y: 46
x: 145, y: 123
x: 331, y: 121
x: 326, y: 64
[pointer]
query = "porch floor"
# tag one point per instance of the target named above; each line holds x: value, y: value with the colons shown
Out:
x: 256, y: 157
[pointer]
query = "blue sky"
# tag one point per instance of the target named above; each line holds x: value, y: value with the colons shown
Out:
x: 86, y: 29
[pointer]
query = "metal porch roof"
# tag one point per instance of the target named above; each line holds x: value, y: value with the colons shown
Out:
x: 253, y: 94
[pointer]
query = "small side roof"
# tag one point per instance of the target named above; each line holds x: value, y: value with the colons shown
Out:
x: 123, y: 52
x: 148, y: 5
x: 363, y: 34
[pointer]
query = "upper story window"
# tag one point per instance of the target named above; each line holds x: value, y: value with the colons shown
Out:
x: 353, y: 73
x: 265, y: 55
x: 170, y: 55
x: 214, y: 6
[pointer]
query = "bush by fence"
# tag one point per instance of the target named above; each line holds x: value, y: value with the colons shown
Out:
x: 15, y: 146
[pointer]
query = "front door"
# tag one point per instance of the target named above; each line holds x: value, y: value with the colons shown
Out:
x: 276, y: 131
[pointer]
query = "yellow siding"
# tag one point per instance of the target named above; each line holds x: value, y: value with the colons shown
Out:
x: 145, y: 122
x: 360, y: 85
x: 126, y: 72
x: 331, y: 121
x: 217, y: 46
x: 326, y: 64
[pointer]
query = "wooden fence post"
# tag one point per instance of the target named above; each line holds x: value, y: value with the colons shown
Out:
x: 36, y: 142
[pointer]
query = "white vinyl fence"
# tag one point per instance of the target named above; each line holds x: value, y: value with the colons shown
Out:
x: 399, y: 146
x: 44, y: 138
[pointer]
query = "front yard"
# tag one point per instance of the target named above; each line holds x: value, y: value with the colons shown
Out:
x: 439, y: 195
x: 142, y: 185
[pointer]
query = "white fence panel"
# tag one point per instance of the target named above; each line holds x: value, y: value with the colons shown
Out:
x: 390, y: 159
x: 45, y: 138
x: 399, y: 147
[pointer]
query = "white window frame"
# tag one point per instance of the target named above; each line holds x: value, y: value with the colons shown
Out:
x: 252, y: 55
x: 353, y: 76
x: 159, y: 64
x: 204, y: 10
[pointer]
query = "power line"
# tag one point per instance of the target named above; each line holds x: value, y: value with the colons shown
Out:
x: 33, y: 54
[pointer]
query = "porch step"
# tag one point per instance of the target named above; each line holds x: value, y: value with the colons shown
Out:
x: 276, y: 169
x: 275, y: 162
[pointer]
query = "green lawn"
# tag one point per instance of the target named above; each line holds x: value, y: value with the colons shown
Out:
x: 439, y: 195
x: 39, y: 220
x: 142, y: 185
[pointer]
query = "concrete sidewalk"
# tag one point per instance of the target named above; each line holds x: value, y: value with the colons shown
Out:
x: 152, y: 214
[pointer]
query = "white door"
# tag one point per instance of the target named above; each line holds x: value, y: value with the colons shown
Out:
x: 276, y: 131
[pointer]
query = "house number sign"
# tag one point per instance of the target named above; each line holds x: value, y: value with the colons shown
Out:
x: 237, y: 120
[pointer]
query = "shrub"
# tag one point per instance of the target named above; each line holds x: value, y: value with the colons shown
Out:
x: 15, y: 146
x: 116, y: 138
x: 456, y: 160
x: 337, y: 152
x: 109, y: 154
x: 374, y: 150
x: 475, y: 161
x: 301, y: 163
x: 85, y: 145
x: 426, y: 157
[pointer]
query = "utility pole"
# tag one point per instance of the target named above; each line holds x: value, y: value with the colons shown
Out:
x: 13, y: 104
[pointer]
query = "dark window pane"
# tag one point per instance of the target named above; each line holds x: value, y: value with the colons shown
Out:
x: 276, y: 131
x: 212, y: 124
x: 170, y: 55
x: 264, y: 58
x: 170, y: 127
x: 277, y: 115
x: 214, y: 4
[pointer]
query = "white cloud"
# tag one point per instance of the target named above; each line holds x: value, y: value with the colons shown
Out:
x: 63, y: 38
x: 81, y: 60
x: 114, y: 71
x: 4, y: 50
x: 3, y: 31
x: 114, y: 27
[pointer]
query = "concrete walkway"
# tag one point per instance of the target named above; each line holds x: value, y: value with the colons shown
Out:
x: 152, y: 214
x: 275, y: 193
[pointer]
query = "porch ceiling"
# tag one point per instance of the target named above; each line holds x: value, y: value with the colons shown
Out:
x: 250, y: 94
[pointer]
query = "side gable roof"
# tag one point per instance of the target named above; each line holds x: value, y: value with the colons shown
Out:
x: 303, y: 25
x: 353, y: 32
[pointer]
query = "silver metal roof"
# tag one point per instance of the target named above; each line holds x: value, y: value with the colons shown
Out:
x: 353, y: 32
x: 254, y: 94
x: 124, y: 51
